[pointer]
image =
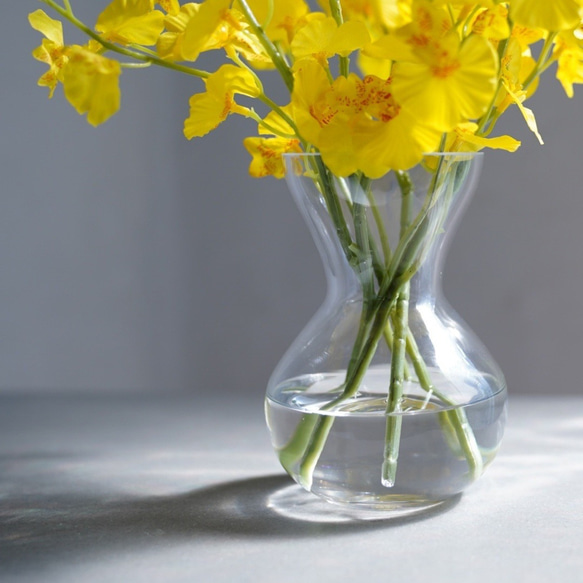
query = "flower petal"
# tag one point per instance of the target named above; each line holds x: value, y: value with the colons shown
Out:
x: 131, y: 21
x: 91, y: 84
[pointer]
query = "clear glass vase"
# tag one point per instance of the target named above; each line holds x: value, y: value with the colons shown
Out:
x: 386, y: 400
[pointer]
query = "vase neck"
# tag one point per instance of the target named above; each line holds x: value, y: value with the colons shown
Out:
x: 395, y: 228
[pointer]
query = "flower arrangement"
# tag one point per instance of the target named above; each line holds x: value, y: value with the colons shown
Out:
x: 373, y: 86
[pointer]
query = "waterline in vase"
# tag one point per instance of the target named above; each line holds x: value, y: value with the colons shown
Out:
x: 431, y: 464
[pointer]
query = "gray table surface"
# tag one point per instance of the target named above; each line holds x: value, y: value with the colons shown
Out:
x: 172, y: 488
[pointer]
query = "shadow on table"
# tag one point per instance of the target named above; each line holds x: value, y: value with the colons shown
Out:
x: 56, y: 526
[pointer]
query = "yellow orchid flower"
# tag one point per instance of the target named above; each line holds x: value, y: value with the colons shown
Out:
x: 280, y: 19
x: 357, y: 124
x: 374, y: 147
x: 91, y: 84
x: 515, y: 67
x: 169, y: 6
x: 310, y: 109
x: 52, y: 49
x: 518, y: 97
x: 464, y: 139
x: 209, y: 109
x: 322, y: 38
x: 570, y: 64
x: 275, y: 125
x: 492, y: 23
x: 454, y: 82
x: 550, y: 15
x: 169, y: 43
x: 416, y: 40
x: 395, y: 13
x: 206, y: 23
x: 378, y: 67
x: 131, y: 21
x: 378, y: 14
x: 229, y: 31
x: 527, y: 36
x: 267, y: 155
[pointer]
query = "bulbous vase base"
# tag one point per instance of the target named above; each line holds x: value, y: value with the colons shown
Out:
x: 432, y: 465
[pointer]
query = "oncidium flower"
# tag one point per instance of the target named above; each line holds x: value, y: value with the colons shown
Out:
x: 131, y: 21
x: 454, y: 83
x: 169, y: 43
x: 170, y: 6
x: 267, y: 155
x: 465, y: 138
x: 357, y: 124
x: 90, y: 80
x: 91, y: 84
x: 52, y: 49
x: 280, y: 20
x: 208, y: 110
x: 322, y: 38
x: 551, y: 15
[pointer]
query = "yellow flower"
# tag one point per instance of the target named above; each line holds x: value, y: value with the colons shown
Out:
x: 416, y: 40
x: 322, y: 38
x: 91, y: 84
x: 515, y: 67
x: 378, y: 14
x: 284, y: 20
x: 275, y: 125
x: 551, y: 15
x: 226, y: 29
x: 371, y: 66
x: 170, y: 6
x: 169, y: 44
x: 395, y: 13
x: 464, y: 138
x: 518, y: 97
x: 357, y: 124
x: 454, y: 82
x: 570, y: 69
x: 211, y: 16
x: 209, y: 109
x: 492, y: 23
x: 268, y: 153
x: 526, y: 36
x: 52, y: 49
x: 309, y: 105
x: 131, y: 21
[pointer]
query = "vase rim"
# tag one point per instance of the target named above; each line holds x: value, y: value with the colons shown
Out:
x: 435, y: 154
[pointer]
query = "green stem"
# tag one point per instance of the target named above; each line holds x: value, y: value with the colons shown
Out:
x: 269, y: 47
x: 384, y: 239
x: 132, y: 54
x: 396, y: 388
x: 364, y: 268
x: 456, y: 416
x: 398, y: 357
x: 314, y: 450
x: 542, y: 60
x: 333, y: 205
x: 486, y: 119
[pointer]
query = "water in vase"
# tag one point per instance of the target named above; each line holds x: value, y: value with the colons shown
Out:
x: 431, y: 465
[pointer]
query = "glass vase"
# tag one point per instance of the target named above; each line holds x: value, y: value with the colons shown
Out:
x: 386, y: 400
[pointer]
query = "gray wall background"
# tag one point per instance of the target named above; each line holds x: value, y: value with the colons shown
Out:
x: 131, y: 259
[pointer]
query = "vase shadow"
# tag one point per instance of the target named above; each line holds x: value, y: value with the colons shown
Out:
x: 275, y: 506
x: 42, y: 528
